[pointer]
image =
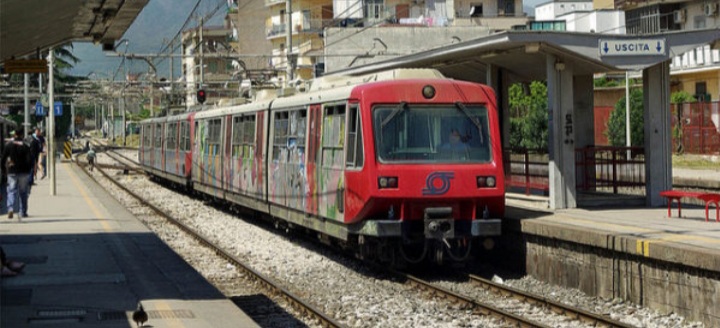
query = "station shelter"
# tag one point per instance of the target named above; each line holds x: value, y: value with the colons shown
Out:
x: 568, y: 62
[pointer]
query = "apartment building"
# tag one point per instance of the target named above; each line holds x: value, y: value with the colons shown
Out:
x: 330, y: 35
x: 697, y: 71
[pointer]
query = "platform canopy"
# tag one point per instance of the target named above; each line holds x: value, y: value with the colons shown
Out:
x: 520, y: 52
x: 28, y: 26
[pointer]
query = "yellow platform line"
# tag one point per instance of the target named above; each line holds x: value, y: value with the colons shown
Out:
x: 106, y: 227
x: 81, y: 188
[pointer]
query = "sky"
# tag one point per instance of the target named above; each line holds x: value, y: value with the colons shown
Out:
x: 159, y: 21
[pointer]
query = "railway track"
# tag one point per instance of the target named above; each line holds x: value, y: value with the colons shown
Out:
x: 270, y: 285
x: 126, y: 163
x: 467, y: 303
x: 591, y: 319
x: 485, y: 308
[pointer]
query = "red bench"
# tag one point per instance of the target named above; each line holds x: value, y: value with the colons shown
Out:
x: 708, y: 198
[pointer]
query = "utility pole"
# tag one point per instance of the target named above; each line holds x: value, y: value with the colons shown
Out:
x: 288, y: 42
x: 628, y: 141
x: 122, y: 110
x: 72, y: 119
x: 51, y: 125
x: 200, y: 44
x: 172, y: 81
x: 27, y: 104
x: 122, y: 96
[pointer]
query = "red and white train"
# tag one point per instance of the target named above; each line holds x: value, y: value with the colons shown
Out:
x: 403, y: 166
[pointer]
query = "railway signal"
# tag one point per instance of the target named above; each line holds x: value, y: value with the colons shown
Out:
x: 201, y: 96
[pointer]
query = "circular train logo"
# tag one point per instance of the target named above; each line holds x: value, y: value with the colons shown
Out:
x: 437, y: 183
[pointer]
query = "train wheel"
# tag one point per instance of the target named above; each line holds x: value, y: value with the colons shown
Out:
x: 460, y: 250
x: 413, y: 253
x: 439, y: 252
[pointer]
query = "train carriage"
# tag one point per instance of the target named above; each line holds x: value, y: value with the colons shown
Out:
x: 165, y: 147
x: 229, y: 154
x: 403, y: 165
x: 150, y: 150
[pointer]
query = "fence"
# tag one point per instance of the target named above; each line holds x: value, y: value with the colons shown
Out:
x: 527, y: 170
x: 696, y: 127
x: 610, y: 169
x: 598, y: 169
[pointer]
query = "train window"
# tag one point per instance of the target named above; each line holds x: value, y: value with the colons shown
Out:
x: 248, y: 140
x: 237, y: 136
x: 158, y: 136
x: 243, y: 136
x: 147, y: 136
x: 449, y: 133
x: 184, y: 136
x: 289, y: 136
x: 354, y: 151
x: 333, y: 133
x: 214, y: 136
x: 171, y: 136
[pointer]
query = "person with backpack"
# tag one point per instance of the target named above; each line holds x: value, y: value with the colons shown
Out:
x: 91, y: 158
x: 18, y: 166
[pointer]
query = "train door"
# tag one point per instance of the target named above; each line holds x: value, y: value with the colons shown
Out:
x: 171, y: 153
x: 313, y: 159
x: 331, y: 184
x: 288, y: 179
x: 185, y: 149
x: 157, y: 146
x: 243, y: 178
x: 209, y: 141
x: 353, y: 199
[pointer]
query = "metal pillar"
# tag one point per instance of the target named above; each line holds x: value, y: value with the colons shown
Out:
x: 51, y: 125
x: 288, y: 42
x: 26, y: 125
x: 658, y: 141
x: 561, y: 132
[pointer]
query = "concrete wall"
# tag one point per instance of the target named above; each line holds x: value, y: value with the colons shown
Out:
x: 622, y: 267
x: 343, y: 45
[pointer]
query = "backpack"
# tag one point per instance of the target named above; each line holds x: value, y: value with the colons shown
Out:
x: 28, y: 148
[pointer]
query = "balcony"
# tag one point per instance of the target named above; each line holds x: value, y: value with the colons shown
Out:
x: 631, y: 4
x: 493, y: 22
x: 270, y: 3
x: 275, y: 28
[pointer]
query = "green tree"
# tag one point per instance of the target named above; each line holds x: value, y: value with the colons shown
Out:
x: 681, y: 97
x: 678, y: 98
x: 529, y: 116
x: 616, y: 124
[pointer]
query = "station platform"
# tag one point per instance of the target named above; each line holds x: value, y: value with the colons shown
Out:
x: 636, y: 254
x: 89, y: 262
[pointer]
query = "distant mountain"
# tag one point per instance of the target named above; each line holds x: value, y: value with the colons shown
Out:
x: 159, y: 21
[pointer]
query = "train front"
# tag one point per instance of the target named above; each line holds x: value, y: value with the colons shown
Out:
x: 434, y: 184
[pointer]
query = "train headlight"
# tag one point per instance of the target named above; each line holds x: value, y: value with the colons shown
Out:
x: 387, y: 182
x: 428, y: 91
x: 490, y: 181
x: 486, y: 182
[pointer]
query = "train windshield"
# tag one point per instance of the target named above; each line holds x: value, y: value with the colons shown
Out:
x: 448, y: 133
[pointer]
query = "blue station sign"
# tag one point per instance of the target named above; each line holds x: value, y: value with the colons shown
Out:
x: 632, y: 47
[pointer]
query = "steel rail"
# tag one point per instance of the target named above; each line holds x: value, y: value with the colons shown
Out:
x: 267, y: 282
x: 559, y: 308
x: 512, y: 320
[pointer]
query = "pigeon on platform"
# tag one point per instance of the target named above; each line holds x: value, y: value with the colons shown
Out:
x: 140, y: 316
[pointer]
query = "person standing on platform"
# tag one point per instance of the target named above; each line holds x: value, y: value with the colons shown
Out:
x: 35, y: 149
x: 43, y: 152
x: 18, y: 167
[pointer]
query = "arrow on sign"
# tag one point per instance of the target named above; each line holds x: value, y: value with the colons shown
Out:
x: 658, y: 47
x: 606, y: 48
